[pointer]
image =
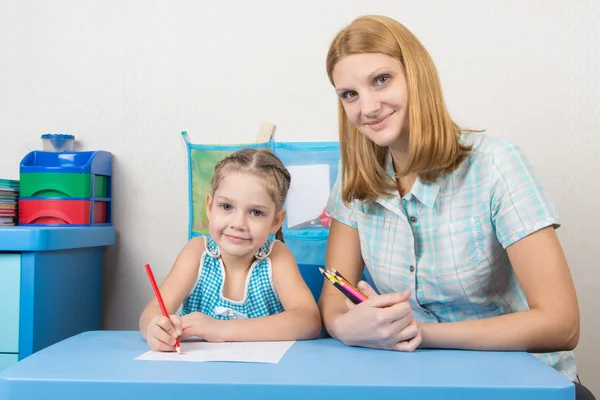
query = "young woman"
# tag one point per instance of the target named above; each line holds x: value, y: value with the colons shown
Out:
x: 453, y: 226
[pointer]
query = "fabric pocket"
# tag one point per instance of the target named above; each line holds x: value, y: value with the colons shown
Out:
x: 450, y: 275
x: 459, y: 246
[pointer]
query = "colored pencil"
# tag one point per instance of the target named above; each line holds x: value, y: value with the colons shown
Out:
x: 344, y: 286
x: 354, y: 292
x: 335, y: 282
x: 159, y: 298
x: 344, y: 282
x: 338, y: 274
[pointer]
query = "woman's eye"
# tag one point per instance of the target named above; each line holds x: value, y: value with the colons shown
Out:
x: 382, y: 80
x: 256, y: 213
x: 225, y: 207
x: 349, y: 95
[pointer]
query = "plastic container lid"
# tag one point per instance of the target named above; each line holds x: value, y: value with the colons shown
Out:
x: 57, y: 136
x: 57, y: 142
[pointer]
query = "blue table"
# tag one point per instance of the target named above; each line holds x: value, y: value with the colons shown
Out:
x: 100, y: 365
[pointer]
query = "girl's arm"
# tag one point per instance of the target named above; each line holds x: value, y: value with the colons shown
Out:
x: 177, y: 284
x: 299, y: 321
x: 551, y: 324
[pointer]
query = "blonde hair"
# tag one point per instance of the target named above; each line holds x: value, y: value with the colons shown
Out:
x: 434, y: 146
x: 262, y: 163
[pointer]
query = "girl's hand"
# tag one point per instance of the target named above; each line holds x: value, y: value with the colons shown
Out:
x: 162, y: 332
x: 381, y: 322
x: 202, y: 326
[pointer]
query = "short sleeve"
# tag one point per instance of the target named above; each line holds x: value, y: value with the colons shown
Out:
x: 336, y: 207
x: 520, y: 205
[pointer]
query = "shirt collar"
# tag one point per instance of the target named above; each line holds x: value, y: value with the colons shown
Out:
x: 424, y: 191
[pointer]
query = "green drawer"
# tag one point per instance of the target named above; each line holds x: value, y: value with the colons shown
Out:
x: 57, y: 184
x: 6, y: 360
x: 10, y: 287
x: 100, y: 186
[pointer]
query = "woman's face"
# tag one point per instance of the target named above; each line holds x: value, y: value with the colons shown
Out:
x: 373, y: 91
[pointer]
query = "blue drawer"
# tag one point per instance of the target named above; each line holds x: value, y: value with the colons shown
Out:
x: 6, y: 360
x: 10, y: 284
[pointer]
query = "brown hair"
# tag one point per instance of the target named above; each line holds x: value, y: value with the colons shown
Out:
x: 434, y: 146
x: 262, y: 163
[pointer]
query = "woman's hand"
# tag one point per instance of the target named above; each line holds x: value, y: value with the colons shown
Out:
x: 162, y: 332
x: 202, y: 326
x: 381, y: 322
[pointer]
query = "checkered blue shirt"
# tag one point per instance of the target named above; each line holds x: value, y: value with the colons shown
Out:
x: 446, y: 241
x: 260, y: 299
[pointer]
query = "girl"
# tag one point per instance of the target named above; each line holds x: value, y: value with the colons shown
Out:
x: 454, y: 228
x: 237, y: 284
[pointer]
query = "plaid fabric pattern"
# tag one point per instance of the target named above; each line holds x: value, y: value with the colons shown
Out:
x: 260, y: 300
x: 446, y: 241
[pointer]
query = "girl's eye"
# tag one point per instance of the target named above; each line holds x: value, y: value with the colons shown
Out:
x: 349, y: 95
x: 382, y: 80
x: 256, y: 213
x: 225, y: 207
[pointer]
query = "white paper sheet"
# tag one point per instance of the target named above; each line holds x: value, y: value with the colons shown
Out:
x: 200, y: 351
x: 308, y: 192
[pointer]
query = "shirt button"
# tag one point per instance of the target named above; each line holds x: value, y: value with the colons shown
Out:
x: 412, y: 268
x: 413, y: 219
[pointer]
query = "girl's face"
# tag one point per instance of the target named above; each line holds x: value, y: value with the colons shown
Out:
x: 373, y: 91
x: 242, y: 214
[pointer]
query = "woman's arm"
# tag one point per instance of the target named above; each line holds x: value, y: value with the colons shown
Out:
x: 551, y: 323
x: 343, y: 254
x: 383, y: 322
x: 177, y: 284
x: 299, y: 321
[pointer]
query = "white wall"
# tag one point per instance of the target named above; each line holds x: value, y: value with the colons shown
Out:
x: 128, y: 76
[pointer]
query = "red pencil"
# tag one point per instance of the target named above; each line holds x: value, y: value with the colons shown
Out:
x: 161, y: 303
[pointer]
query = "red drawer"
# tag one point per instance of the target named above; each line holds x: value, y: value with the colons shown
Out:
x: 61, y: 212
